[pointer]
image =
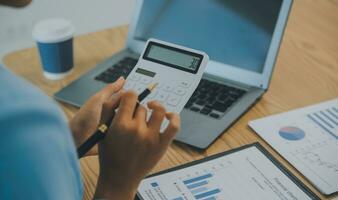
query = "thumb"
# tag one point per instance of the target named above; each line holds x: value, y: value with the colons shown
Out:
x: 110, y: 89
x: 170, y: 132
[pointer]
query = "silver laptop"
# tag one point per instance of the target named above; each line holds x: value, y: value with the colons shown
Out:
x: 242, y: 38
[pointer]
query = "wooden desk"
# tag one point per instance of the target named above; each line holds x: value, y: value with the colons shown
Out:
x: 306, y: 73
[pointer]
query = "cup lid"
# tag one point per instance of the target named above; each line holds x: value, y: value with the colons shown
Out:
x: 53, y: 30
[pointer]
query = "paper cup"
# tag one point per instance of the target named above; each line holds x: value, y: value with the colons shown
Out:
x: 54, y: 38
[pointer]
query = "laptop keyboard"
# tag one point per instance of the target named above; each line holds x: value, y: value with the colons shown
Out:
x: 210, y: 98
x: 213, y: 99
x: 122, y: 68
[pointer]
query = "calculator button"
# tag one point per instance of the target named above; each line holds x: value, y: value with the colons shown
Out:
x: 173, y: 100
x: 170, y: 108
x: 160, y: 86
x: 129, y: 85
x: 168, y: 88
x: 134, y: 77
x: 162, y: 97
x: 153, y: 94
x: 145, y: 80
x: 179, y: 91
x: 139, y: 88
x: 185, y: 84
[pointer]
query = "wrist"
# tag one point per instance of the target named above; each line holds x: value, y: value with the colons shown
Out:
x: 110, y: 188
x: 75, y: 132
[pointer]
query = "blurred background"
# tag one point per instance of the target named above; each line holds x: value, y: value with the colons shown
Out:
x: 86, y: 15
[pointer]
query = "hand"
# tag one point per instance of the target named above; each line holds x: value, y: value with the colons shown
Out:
x: 87, y: 119
x: 132, y: 146
x: 15, y: 3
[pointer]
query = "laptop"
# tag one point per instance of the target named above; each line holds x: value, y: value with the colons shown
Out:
x: 241, y: 37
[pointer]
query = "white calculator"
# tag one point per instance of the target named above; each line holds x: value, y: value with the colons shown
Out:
x: 177, y: 70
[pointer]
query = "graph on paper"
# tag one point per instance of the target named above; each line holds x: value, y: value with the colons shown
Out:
x: 291, y: 133
x: 246, y: 174
x: 199, y: 187
x: 308, y: 139
x: 327, y: 120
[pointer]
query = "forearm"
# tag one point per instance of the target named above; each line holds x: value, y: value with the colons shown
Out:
x: 15, y: 3
x: 75, y: 132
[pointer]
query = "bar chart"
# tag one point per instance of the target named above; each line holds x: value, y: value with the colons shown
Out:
x: 327, y: 120
x: 198, y: 186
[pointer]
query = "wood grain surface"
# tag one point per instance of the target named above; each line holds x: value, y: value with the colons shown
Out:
x: 306, y: 73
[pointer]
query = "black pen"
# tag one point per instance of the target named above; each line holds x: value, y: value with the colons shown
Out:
x: 103, y: 128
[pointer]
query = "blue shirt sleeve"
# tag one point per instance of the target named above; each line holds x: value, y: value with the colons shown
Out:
x: 37, y: 153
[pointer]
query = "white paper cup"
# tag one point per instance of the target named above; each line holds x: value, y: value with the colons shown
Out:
x: 54, y: 38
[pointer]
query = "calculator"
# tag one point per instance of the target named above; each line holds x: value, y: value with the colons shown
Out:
x: 177, y: 70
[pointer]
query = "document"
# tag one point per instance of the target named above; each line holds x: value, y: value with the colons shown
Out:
x: 308, y: 139
x: 243, y: 174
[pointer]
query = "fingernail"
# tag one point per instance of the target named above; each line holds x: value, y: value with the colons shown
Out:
x: 119, y: 79
x: 154, y: 102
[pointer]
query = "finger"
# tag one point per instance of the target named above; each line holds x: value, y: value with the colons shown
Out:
x: 109, y: 106
x: 110, y: 89
x: 107, y: 113
x: 157, y: 115
x: 115, y: 99
x: 173, y: 127
x: 141, y: 115
x: 127, y: 106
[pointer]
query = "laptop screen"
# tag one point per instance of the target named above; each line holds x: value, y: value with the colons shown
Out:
x: 234, y: 32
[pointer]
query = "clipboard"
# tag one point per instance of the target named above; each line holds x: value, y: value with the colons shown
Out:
x: 293, y: 178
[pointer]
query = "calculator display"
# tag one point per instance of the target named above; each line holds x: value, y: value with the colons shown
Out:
x: 173, y: 57
x: 145, y: 72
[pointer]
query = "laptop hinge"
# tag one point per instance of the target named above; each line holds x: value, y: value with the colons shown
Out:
x: 228, y: 81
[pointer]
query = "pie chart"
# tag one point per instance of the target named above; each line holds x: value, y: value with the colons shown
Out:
x: 291, y: 133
